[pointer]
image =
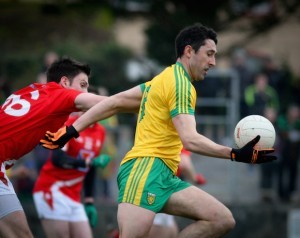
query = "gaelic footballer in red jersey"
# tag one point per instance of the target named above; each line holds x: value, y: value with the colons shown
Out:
x: 28, y: 113
x: 25, y: 116
x: 57, y: 191
x: 87, y: 146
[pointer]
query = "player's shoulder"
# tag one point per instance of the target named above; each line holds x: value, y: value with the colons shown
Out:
x: 164, y: 77
x: 55, y: 88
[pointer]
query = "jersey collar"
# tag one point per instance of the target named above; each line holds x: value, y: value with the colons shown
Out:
x: 185, y: 72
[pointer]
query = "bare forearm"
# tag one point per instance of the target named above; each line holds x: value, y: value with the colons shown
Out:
x: 204, y: 146
x: 107, y: 108
x: 127, y: 101
x: 99, y: 112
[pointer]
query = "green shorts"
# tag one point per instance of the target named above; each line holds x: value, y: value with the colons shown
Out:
x: 147, y: 182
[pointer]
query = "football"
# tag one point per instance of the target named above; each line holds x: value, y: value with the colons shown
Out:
x: 251, y: 126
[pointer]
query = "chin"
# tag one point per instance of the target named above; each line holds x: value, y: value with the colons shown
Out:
x: 199, y: 79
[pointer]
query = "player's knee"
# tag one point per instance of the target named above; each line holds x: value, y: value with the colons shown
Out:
x: 225, y: 221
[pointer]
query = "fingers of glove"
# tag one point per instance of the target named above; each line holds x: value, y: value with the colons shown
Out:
x: 253, y: 142
x: 266, y: 151
x: 45, y: 141
x: 266, y: 159
x: 57, y: 135
x: 49, y: 146
x: 49, y: 135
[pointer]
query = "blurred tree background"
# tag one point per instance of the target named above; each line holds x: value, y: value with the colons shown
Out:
x: 84, y: 30
x: 81, y: 31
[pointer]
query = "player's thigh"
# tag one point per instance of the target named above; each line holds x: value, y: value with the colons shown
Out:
x: 56, y: 228
x: 134, y: 221
x: 80, y: 229
x: 195, y: 203
x: 14, y: 225
x: 13, y: 222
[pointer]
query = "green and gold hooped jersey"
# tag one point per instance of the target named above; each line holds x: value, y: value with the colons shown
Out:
x: 168, y: 94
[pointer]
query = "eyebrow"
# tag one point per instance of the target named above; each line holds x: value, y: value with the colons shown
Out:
x: 212, y: 51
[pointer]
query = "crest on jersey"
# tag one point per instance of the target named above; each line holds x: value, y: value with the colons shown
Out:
x: 151, y: 198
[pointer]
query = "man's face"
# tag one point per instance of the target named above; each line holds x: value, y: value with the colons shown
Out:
x: 202, y: 60
x: 80, y: 83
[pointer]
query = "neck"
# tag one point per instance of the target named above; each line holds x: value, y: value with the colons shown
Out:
x: 186, y: 68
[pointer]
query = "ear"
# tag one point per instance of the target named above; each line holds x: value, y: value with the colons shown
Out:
x: 65, y: 82
x: 188, y: 51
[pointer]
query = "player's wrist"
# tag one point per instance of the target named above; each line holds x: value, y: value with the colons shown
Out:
x: 72, y: 132
x: 233, y: 154
x: 89, y: 200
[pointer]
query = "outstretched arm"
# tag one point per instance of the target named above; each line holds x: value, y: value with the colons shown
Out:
x: 197, y: 143
x: 126, y: 101
x: 193, y: 141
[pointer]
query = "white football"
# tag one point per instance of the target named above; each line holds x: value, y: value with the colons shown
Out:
x: 251, y: 126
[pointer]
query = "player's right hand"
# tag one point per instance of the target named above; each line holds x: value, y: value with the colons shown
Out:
x: 48, y: 144
x: 60, y: 138
x: 248, y: 154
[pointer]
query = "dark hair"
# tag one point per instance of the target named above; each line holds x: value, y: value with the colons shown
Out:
x: 194, y: 36
x: 66, y: 67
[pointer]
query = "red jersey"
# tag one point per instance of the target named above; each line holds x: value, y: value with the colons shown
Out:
x: 28, y: 113
x: 87, y: 146
x: 183, y: 152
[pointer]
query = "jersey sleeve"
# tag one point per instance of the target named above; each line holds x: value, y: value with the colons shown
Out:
x: 65, y: 99
x: 143, y: 86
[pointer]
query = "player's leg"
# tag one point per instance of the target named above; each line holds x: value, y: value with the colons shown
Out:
x: 13, y: 222
x: 164, y: 225
x: 212, y: 218
x: 61, y: 216
x: 56, y: 228
x: 79, y: 225
x: 53, y: 212
x: 139, y: 182
x: 14, y: 225
x: 134, y: 221
x: 81, y: 229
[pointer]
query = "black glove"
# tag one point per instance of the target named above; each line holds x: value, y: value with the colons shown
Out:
x: 59, y: 138
x: 248, y: 154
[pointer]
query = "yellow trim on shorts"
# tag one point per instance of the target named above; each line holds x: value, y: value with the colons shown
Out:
x: 134, y: 187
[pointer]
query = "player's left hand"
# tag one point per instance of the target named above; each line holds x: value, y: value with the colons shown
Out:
x: 91, y: 213
x: 60, y: 138
x: 248, y: 154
